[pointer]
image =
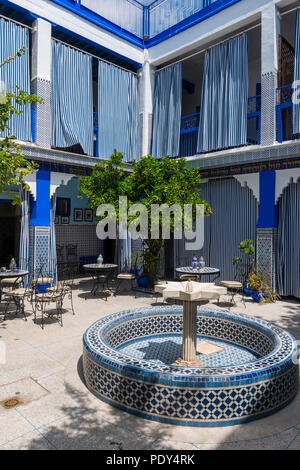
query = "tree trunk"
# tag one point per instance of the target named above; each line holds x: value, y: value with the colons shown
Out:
x: 154, y: 250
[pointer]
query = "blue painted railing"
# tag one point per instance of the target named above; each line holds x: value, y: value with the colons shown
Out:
x: 284, y: 113
x: 190, y: 126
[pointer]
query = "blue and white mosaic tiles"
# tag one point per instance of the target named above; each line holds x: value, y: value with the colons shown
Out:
x: 167, y: 349
x: 252, y: 377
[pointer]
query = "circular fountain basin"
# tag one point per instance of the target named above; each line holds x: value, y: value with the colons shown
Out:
x: 129, y: 361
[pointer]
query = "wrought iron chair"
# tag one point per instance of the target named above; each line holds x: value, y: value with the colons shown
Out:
x: 237, y: 285
x: 42, y: 300
x: 72, y: 257
x: 68, y: 283
x: 122, y: 278
x: 18, y: 296
x: 41, y: 276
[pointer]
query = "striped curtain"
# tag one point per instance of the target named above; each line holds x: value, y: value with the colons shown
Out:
x: 234, y: 218
x: 296, y: 106
x: 167, y: 112
x: 224, y: 99
x: 52, y: 244
x: 24, y: 235
x: 288, y: 253
x: 72, y: 98
x: 125, y: 252
x: 118, y: 113
x: 16, y: 73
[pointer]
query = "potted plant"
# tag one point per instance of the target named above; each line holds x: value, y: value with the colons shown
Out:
x: 247, y: 248
x: 261, y: 291
x: 143, y: 278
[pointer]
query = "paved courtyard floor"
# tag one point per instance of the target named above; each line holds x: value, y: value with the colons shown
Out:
x: 43, y: 369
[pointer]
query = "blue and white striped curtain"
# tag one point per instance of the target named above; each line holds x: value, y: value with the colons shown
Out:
x: 288, y: 259
x: 224, y: 99
x: 125, y: 252
x: 24, y: 233
x: 167, y: 112
x: 72, y: 98
x: 296, y: 106
x: 118, y: 113
x: 16, y: 73
x: 52, y: 244
x: 233, y: 219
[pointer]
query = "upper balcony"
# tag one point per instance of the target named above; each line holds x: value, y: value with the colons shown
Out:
x: 145, y: 22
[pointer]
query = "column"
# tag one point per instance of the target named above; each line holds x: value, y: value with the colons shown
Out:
x: 270, y: 25
x: 41, y: 81
x: 39, y: 224
x: 146, y: 105
x: 267, y: 227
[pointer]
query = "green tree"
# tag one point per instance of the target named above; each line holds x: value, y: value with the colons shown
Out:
x: 149, y: 181
x: 13, y: 166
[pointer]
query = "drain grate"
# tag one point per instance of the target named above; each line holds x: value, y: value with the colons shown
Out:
x: 11, y: 403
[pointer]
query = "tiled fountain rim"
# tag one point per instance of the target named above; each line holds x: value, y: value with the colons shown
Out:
x: 285, y: 348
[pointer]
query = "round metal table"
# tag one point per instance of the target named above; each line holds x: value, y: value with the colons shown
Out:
x: 206, y: 271
x: 101, y: 274
x: 18, y: 275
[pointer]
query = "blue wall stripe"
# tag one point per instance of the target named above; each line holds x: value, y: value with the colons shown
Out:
x: 40, y: 210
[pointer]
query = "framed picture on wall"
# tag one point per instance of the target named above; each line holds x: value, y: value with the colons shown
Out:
x: 88, y: 215
x: 56, y: 220
x: 78, y: 215
x: 65, y: 220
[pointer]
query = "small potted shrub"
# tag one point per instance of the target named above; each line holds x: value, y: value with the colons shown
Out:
x: 261, y: 291
x: 247, y: 248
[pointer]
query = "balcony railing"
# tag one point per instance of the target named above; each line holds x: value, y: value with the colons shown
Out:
x: 284, y: 114
x: 190, y: 126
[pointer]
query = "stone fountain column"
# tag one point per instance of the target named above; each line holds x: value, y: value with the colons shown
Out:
x: 190, y: 293
x: 189, y: 331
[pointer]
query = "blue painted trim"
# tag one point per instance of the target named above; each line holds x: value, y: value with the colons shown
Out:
x: 268, y: 210
x: 202, y: 15
x: 100, y: 21
x: 192, y: 20
x: 33, y: 17
x: 40, y: 209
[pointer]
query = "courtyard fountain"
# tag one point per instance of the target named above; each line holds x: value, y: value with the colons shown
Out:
x: 190, y: 365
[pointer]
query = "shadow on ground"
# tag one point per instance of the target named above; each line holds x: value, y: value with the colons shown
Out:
x: 84, y: 427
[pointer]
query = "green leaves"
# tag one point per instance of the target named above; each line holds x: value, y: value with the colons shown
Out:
x: 13, y: 166
x: 149, y: 182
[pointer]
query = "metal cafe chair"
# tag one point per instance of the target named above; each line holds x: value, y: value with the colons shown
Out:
x: 53, y: 297
x: 68, y: 283
x: 18, y: 295
x: 236, y: 286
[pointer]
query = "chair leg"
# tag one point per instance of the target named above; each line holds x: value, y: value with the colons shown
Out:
x: 23, y: 308
x: 71, y: 297
x: 6, y: 308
